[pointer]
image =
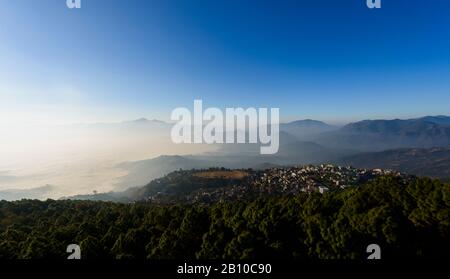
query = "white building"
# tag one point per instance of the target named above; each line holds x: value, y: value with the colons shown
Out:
x: 323, y: 189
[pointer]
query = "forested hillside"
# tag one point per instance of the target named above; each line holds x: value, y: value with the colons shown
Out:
x: 406, y: 218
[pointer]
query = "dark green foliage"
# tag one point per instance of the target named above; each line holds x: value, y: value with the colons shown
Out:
x: 406, y: 220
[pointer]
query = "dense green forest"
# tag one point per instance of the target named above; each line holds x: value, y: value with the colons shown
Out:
x: 406, y: 219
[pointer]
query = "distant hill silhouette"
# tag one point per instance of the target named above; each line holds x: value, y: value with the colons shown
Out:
x: 141, y: 172
x: 304, y: 129
x: 378, y: 135
x: 33, y: 193
x: 434, y: 162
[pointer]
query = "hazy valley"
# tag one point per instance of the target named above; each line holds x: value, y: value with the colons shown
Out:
x: 80, y: 159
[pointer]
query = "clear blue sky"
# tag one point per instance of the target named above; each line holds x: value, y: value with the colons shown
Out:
x: 323, y: 59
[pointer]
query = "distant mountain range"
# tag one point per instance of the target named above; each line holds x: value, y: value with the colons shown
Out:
x: 366, y: 135
x: 138, y: 126
x: 362, y: 136
x: 378, y: 135
x: 440, y: 119
x: 419, y: 146
x: 305, y: 129
x: 357, y: 144
x: 433, y: 162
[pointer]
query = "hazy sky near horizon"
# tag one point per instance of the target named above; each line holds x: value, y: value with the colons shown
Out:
x: 115, y: 60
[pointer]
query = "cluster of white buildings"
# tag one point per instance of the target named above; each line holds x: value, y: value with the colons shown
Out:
x: 291, y: 180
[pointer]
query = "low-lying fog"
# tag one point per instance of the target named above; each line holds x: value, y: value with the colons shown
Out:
x: 56, y: 161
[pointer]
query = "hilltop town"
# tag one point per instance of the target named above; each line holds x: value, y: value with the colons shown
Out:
x: 220, y: 185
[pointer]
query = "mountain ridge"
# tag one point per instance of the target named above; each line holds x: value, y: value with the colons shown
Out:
x: 432, y: 162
